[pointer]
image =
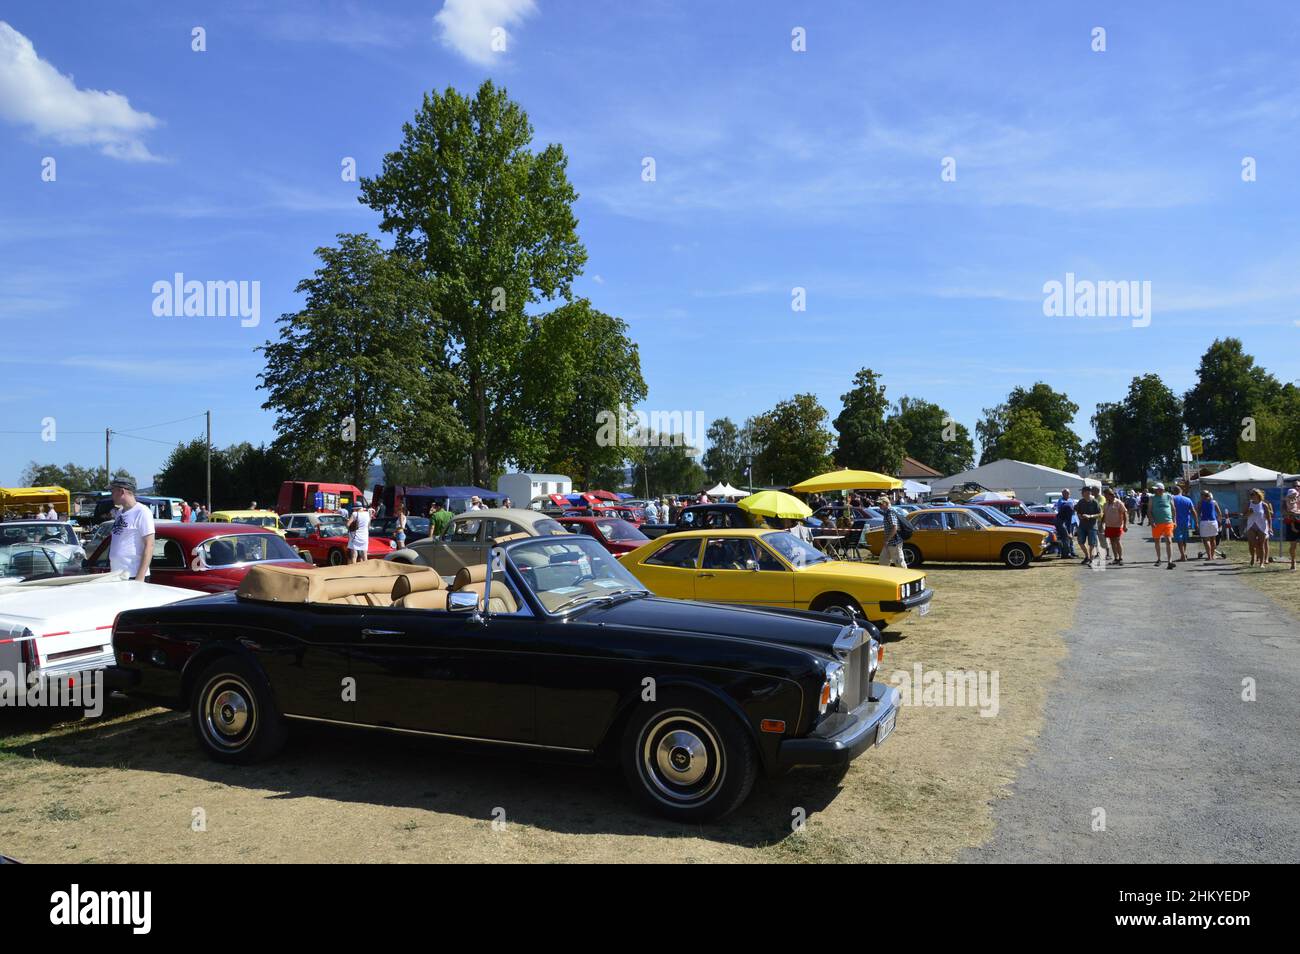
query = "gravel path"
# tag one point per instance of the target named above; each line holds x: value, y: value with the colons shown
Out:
x: 1147, y: 723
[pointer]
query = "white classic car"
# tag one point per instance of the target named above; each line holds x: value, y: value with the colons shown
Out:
x: 64, y: 624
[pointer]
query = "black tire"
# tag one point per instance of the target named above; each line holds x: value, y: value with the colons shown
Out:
x: 1017, y: 556
x: 699, y: 735
x: 233, y: 714
x: 336, y: 558
x: 911, y: 555
x: 840, y: 603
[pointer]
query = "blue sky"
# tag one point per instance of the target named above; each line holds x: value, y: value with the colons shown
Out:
x: 775, y: 169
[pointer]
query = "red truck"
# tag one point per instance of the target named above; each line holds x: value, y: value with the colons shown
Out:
x: 314, y: 496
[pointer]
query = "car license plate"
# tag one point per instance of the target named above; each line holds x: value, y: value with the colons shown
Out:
x: 886, y: 727
x: 925, y: 608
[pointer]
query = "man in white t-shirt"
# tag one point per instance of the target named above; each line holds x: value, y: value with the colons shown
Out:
x: 359, y: 537
x: 131, y: 548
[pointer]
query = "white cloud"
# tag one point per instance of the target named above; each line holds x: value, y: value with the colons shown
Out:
x: 467, y: 25
x: 33, y: 93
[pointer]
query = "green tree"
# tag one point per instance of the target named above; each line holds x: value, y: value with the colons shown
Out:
x: 1276, y: 432
x: 1140, y: 433
x: 672, y: 467
x: 492, y: 226
x: 586, y: 368
x: 723, y: 460
x: 1229, y: 388
x: 867, y: 439
x: 361, y: 370
x: 71, y: 477
x: 930, y: 435
x: 1055, y: 411
x: 792, y: 442
x: 1025, y: 438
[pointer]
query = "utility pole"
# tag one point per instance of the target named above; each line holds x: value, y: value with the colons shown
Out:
x: 108, y: 473
x: 208, y: 503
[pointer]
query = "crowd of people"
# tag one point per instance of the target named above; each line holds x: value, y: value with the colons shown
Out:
x: 1099, y: 526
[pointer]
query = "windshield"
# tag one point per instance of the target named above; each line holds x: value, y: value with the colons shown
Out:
x: 25, y: 562
x: 246, y: 548
x: 332, y: 524
x: 548, y: 527
x: 572, y: 571
x: 619, y: 530
x: 981, y: 519
x: 994, y: 515
x: 12, y: 534
x: 257, y: 521
x: 796, y: 551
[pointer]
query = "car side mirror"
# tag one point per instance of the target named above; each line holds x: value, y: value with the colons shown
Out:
x: 458, y: 602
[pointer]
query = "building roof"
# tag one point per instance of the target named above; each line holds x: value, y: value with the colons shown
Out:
x: 911, y: 467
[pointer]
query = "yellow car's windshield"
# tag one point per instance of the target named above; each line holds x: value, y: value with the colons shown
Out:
x: 795, y: 551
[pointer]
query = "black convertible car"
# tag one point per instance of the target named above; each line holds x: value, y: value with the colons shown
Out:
x: 552, y: 647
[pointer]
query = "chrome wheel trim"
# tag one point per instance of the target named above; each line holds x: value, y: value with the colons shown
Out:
x: 1016, y: 556
x: 682, y: 763
x: 228, y: 713
x: 337, y: 558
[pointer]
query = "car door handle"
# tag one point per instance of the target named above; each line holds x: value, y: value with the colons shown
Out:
x: 382, y: 632
x: 704, y: 574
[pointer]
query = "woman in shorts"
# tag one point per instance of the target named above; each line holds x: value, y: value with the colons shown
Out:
x: 1258, y: 527
x: 1209, y: 514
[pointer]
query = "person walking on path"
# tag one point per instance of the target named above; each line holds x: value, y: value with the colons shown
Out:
x: 1115, y: 523
x: 1064, y: 521
x: 1160, y: 508
x: 1144, y: 507
x: 1259, y: 527
x: 1088, y: 511
x: 400, y: 526
x: 1210, y: 514
x: 132, y: 548
x: 1184, y: 514
x: 891, y: 544
x: 1291, y: 520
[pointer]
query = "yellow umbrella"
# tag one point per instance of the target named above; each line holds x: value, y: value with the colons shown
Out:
x: 773, y: 503
x: 848, y: 480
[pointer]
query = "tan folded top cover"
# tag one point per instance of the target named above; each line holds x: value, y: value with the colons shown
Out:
x: 320, y: 584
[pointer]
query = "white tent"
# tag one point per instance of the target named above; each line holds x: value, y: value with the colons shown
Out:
x: 1030, y: 482
x: 733, y: 492
x: 914, y: 487
x: 989, y: 495
x: 1243, y: 473
x: 717, y: 490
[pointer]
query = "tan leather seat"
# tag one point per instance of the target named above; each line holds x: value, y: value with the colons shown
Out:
x: 503, y: 601
x: 357, y: 591
x: 366, y: 584
x: 424, y: 599
x: 469, y: 574
x: 410, y: 583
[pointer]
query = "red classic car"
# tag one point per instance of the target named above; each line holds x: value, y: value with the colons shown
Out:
x: 325, y: 537
x: 1019, y: 512
x: 614, y: 534
x: 209, y: 557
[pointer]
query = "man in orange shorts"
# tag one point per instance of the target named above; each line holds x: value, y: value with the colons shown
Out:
x: 1162, y: 523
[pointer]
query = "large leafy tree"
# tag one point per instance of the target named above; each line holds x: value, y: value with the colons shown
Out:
x: 931, y: 436
x: 1055, y: 411
x: 1141, y: 433
x: 1276, y: 432
x: 1229, y: 388
x: 361, y: 370
x: 585, y: 364
x: 1026, y: 438
x: 868, y: 440
x: 791, y: 442
x: 724, y: 461
x: 491, y: 225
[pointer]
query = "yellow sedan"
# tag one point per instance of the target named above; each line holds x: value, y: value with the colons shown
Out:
x: 771, y: 568
x: 267, y: 519
x: 943, y: 534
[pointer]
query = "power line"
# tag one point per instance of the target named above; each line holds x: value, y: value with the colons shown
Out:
x: 146, y: 427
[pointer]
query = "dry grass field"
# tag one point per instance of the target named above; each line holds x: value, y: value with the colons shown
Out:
x: 129, y: 786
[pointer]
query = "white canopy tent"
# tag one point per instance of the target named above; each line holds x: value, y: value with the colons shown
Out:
x: 1030, y: 482
x: 1244, y: 473
x: 913, y: 488
x: 719, y: 491
x: 989, y: 495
